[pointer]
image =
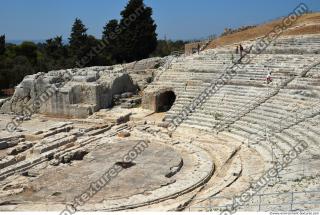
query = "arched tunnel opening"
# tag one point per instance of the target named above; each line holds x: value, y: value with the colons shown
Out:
x: 164, y: 101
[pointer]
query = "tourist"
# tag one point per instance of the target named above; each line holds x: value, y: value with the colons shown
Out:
x: 237, y: 50
x: 198, y: 48
x: 241, y: 50
x: 269, y: 78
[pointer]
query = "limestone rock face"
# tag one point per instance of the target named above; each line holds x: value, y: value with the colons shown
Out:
x: 2, y: 101
x: 79, y: 92
x: 73, y: 92
x: 143, y: 72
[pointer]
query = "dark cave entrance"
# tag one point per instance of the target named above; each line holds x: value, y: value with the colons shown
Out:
x: 164, y: 101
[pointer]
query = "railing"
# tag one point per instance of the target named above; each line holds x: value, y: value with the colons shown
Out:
x: 261, y: 202
x: 171, y: 58
x: 247, y: 108
x: 209, y: 38
x: 205, y: 42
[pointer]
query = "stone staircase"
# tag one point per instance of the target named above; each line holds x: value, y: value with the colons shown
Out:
x: 228, y: 143
x: 265, y: 118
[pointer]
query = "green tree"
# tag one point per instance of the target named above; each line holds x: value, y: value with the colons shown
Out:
x: 2, y: 44
x: 28, y: 50
x: 11, y: 50
x: 5, y: 67
x: 138, y: 38
x: 99, y: 59
x: 78, y: 39
x: 55, y: 49
x: 111, y: 33
x: 162, y: 49
x: 54, y: 55
x: 21, y: 68
x: 110, y: 30
x: 166, y: 47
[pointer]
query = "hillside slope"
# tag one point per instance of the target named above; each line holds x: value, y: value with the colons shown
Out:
x: 306, y: 24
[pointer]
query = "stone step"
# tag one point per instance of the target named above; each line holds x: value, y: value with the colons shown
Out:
x: 45, y: 147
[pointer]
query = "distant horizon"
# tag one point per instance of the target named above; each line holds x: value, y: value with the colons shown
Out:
x: 65, y: 40
x: 176, y: 20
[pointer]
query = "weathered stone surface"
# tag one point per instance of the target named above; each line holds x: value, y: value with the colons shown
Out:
x: 126, y: 95
x: 124, y: 134
x: 20, y: 148
x: 47, y: 146
x: 127, y: 105
x: 123, y: 119
x: 2, y: 101
x: 7, y: 161
x: 193, y: 163
x: 78, y: 92
x: 4, y: 145
x: 9, y: 142
x: 76, y: 98
x: 164, y: 124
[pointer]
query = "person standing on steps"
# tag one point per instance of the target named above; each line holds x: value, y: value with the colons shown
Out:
x: 237, y: 52
x: 241, y: 50
x: 198, y: 48
x: 269, y: 78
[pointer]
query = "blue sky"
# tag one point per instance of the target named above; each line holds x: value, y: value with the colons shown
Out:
x: 177, y: 19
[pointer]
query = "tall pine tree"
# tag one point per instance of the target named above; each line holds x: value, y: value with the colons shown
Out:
x: 110, y: 34
x: 2, y: 44
x: 138, y: 38
x: 78, y: 39
x: 109, y: 31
